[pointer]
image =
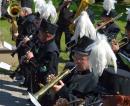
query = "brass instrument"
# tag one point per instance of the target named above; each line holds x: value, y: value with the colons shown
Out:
x: 45, y: 88
x: 14, y: 11
x: 123, y: 42
x: 82, y: 6
x: 111, y: 20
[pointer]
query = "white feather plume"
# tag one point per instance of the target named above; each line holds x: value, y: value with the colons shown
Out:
x: 108, y: 5
x: 84, y: 27
x: 101, y: 55
x: 128, y: 14
x: 46, y: 9
x: 39, y: 5
x: 49, y: 12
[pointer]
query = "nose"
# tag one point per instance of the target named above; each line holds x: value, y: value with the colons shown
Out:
x: 78, y: 61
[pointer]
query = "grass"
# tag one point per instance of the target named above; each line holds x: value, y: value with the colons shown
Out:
x: 5, y: 31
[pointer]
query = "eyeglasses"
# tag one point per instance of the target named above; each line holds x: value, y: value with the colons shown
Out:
x: 80, y: 57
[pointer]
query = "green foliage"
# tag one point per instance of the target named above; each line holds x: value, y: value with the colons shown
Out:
x: 63, y: 55
x: 73, y: 6
x: 56, y: 2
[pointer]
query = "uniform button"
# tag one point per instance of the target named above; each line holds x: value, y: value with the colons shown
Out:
x: 118, y: 92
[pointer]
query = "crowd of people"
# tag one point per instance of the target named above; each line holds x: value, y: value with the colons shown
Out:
x: 99, y: 74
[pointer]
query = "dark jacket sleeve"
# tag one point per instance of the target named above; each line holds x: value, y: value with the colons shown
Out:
x: 49, y: 65
x: 112, y: 32
x: 52, y: 63
x: 63, y: 93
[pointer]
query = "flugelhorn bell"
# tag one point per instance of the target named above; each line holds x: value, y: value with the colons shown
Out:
x: 14, y: 9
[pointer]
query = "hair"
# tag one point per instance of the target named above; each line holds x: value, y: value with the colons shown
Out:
x: 27, y: 10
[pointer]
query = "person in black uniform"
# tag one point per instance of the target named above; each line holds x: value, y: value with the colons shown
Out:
x: 111, y: 30
x: 126, y: 49
x: 123, y: 50
x: 63, y: 22
x: 81, y: 82
x: 26, y: 27
x: 120, y: 82
x: 47, y: 49
x: 44, y: 58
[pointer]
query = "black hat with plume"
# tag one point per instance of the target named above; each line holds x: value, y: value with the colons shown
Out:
x: 46, y: 26
x: 109, y: 8
x: 82, y: 45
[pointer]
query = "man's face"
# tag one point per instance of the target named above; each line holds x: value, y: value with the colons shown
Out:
x: 128, y: 33
x: 22, y: 13
x: 44, y: 36
x: 81, y: 61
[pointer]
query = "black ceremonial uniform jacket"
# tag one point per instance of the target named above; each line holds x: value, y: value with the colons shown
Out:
x: 110, y: 30
x: 78, y: 85
x: 46, y: 57
x: 26, y: 27
x: 115, y: 83
x: 44, y: 63
x: 64, y: 17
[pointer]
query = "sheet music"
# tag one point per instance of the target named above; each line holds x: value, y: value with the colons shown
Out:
x: 5, y: 66
x: 7, y: 45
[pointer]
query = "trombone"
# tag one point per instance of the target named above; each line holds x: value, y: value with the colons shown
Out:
x: 124, y: 41
x: 111, y: 20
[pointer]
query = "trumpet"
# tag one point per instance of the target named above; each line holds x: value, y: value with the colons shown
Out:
x: 45, y: 88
